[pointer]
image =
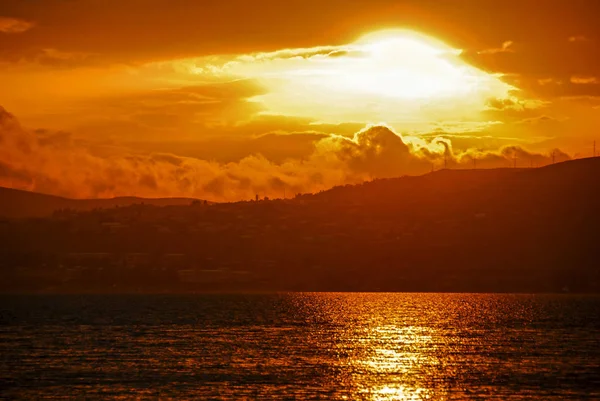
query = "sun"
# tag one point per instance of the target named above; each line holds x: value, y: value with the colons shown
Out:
x: 404, y: 64
x: 391, y: 76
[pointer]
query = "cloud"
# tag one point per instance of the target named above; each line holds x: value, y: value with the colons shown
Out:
x: 14, y: 25
x: 505, y: 48
x: 228, y: 95
x: 397, y: 78
x: 510, y: 156
x: 537, y: 120
x: 500, y: 104
x: 584, y: 80
x: 578, y: 38
x: 376, y: 151
x: 207, y: 109
x: 53, y: 139
x: 55, y: 163
x: 548, y: 81
x: 185, y: 25
x: 543, y: 67
x: 303, y: 53
x: 549, y: 88
x: 55, y: 58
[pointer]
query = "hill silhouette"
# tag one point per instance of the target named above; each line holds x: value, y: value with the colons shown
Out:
x: 503, y: 230
x: 580, y: 174
x: 16, y: 203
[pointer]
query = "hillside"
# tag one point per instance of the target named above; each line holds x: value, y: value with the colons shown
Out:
x: 16, y: 203
x: 505, y: 230
x: 580, y: 175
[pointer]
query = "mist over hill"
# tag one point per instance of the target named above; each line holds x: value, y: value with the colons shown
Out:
x: 502, y: 230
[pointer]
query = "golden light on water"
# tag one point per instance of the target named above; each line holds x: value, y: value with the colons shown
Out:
x: 352, y: 346
x: 400, y: 393
x: 388, y: 356
x: 396, y: 354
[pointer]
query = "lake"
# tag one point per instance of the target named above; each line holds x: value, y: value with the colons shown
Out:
x: 334, y: 346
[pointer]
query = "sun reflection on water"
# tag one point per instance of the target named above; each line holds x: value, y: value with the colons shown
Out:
x: 392, y: 358
x: 354, y: 347
x: 401, y: 393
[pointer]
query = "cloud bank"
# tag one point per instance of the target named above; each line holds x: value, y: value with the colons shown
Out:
x: 55, y: 163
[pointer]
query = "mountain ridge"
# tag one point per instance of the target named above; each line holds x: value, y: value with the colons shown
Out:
x: 18, y: 203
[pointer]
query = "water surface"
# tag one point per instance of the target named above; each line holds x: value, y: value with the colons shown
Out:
x: 301, y: 346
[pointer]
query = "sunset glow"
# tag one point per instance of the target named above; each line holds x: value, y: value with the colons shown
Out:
x: 395, y: 76
x: 190, y: 100
x: 383, y: 200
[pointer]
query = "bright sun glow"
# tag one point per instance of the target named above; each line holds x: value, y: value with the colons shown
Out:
x: 392, y: 76
x: 404, y: 65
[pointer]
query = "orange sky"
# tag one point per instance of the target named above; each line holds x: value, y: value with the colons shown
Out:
x: 221, y: 100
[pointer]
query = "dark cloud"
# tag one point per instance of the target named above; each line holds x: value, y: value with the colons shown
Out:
x: 14, y: 25
x: 377, y: 151
x: 277, y: 147
x: 11, y: 174
x: 509, y: 156
x: 216, y: 186
x: 544, y: 68
x: 166, y: 158
x: 148, y: 181
x: 121, y: 30
x: 180, y: 113
x: 500, y: 104
x: 53, y: 138
x: 560, y: 86
x: 48, y: 57
x: 8, y: 121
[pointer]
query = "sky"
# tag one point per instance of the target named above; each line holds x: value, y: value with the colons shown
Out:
x: 224, y: 100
